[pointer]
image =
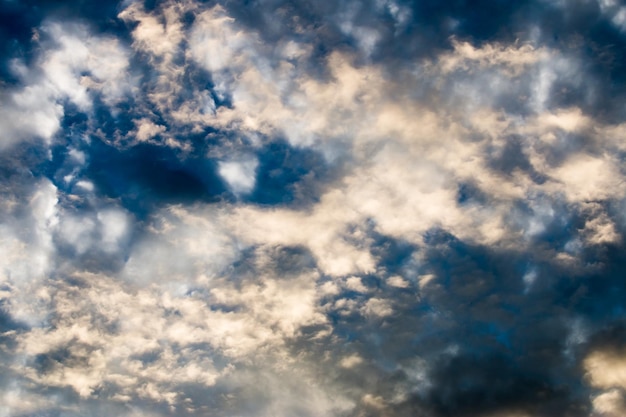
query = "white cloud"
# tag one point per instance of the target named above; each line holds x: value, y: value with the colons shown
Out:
x: 30, y: 115
x: 351, y: 361
x: 599, y: 228
x: 355, y: 284
x: 397, y: 281
x: 606, y: 369
x: 160, y: 34
x: 407, y: 177
x: 615, y: 11
x: 377, y: 307
x: 146, y: 129
x: 610, y: 403
x: 15, y: 400
x: 114, y: 228
x: 97, y: 356
x: 262, y: 311
x: 513, y: 59
x: 103, y: 230
x: 78, y: 232
x: 85, y: 185
x: 589, y: 178
x: 157, y: 35
x: 217, y: 43
x: 240, y: 175
x: 424, y: 280
x: 377, y: 402
x: 71, y: 66
x: 183, y: 246
x: 28, y: 256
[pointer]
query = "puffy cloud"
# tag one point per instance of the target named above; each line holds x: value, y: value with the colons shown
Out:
x: 146, y: 129
x: 129, y: 342
x: 240, y: 175
x: 606, y: 369
x: 159, y: 36
x: 377, y: 307
x: 397, y: 281
x: 588, y: 178
x: 610, y: 403
x: 28, y: 259
x: 114, y: 226
x: 216, y: 42
x: 75, y: 66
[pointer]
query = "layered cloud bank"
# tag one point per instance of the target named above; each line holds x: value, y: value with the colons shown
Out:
x: 345, y: 208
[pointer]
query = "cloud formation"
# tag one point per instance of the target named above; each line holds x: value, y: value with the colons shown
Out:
x: 380, y: 208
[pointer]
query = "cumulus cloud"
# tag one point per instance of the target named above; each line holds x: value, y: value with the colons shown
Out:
x: 29, y: 255
x: 240, y: 175
x: 606, y: 369
x: 75, y: 66
x: 610, y: 403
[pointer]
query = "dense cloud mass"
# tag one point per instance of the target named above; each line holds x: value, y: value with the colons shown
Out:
x: 313, y: 208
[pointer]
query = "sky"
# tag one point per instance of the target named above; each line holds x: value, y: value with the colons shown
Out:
x: 276, y: 208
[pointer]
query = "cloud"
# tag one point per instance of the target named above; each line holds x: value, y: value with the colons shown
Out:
x: 610, y: 403
x: 215, y: 41
x: 339, y: 209
x: 377, y: 307
x: 74, y: 68
x: 606, y: 369
x: 397, y: 281
x: 146, y: 130
x: 128, y: 343
x: 28, y: 246
x: 159, y: 38
x: 240, y: 175
x: 604, y: 366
